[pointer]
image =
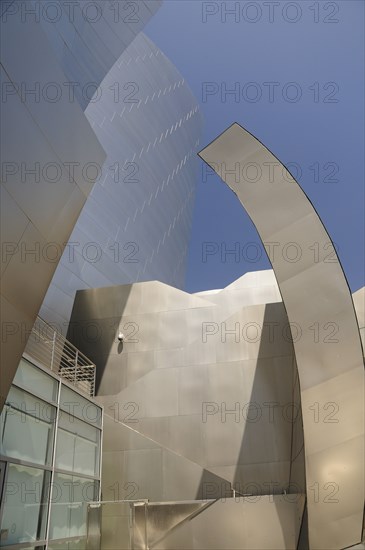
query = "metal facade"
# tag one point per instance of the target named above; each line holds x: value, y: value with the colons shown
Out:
x: 47, y: 143
x: 136, y: 223
x: 202, y: 398
x: 328, y: 352
x: 197, y: 403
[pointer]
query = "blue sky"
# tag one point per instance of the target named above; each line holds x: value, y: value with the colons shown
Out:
x: 303, y: 62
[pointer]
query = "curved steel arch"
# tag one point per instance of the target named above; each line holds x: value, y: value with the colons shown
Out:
x: 329, y: 351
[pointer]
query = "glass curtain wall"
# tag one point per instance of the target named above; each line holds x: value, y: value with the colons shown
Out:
x: 50, y: 462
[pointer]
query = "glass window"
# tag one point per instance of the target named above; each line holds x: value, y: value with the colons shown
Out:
x: 25, y: 505
x: 70, y: 497
x: 76, y: 405
x: 26, y: 545
x: 27, y: 428
x: 35, y: 380
x: 78, y: 446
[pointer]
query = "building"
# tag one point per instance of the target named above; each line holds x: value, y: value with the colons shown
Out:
x: 317, y: 298
x: 198, y: 416
x: 51, y: 437
x: 175, y: 368
x: 203, y: 415
x: 82, y: 80
x: 136, y: 222
x: 233, y: 418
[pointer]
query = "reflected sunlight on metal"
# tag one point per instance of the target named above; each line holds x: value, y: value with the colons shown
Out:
x: 316, y: 296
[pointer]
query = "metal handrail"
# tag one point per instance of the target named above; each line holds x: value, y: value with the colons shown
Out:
x: 54, y: 351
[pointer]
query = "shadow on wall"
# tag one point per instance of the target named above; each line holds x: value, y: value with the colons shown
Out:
x: 265, y: 460
x: 94, y: 329
x: 213, y: 487
x: 273, y: 432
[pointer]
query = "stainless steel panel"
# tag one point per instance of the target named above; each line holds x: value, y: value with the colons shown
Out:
x: 314, y: 290
x: 90, y: 40
x: 117, y: 376
x: 115, y: 526
x: 168, y: 397
x: 238, y: 524
x: 359, y: 303
x: 181, y: 478
x: 13, y: 222
x: 93, y: 523
x: 31, y: 147
x: 119, y: 436
x: 62, y: 122
x: 12, y: 348
x: 158, y: 519
x: 193, y: 386
x: 45, y: 131
x: 36, y: 131
x: 253, y: 288
x: 144, y: 471
x: 183, y: 434
x: 151, y: 208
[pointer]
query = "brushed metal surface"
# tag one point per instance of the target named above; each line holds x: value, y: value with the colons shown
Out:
x: 139, y: 212
x: 314, y: 290
x: 44, y: 47
x: 166, y: 375
x: 94, y: 527
x: 115, y: 520
x: 136, y: 466
x: 157, y: 519
x: 269, y: 523
x: 359, y: 303
x: 35, y: 211
x: 88, y: 39
x: 163, y: 458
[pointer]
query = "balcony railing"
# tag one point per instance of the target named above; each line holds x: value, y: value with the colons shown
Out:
x: 52, y: 350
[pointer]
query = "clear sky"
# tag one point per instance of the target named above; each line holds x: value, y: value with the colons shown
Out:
x: 298, y: 71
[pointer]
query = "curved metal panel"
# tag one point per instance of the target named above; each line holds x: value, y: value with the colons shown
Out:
x: 89, y: 37
x: 139, y: 213
x: 327, y: 342
x: 65, y: 45
x: 36, y: 212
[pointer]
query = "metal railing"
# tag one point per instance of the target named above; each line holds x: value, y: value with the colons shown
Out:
x: 52, y: 350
